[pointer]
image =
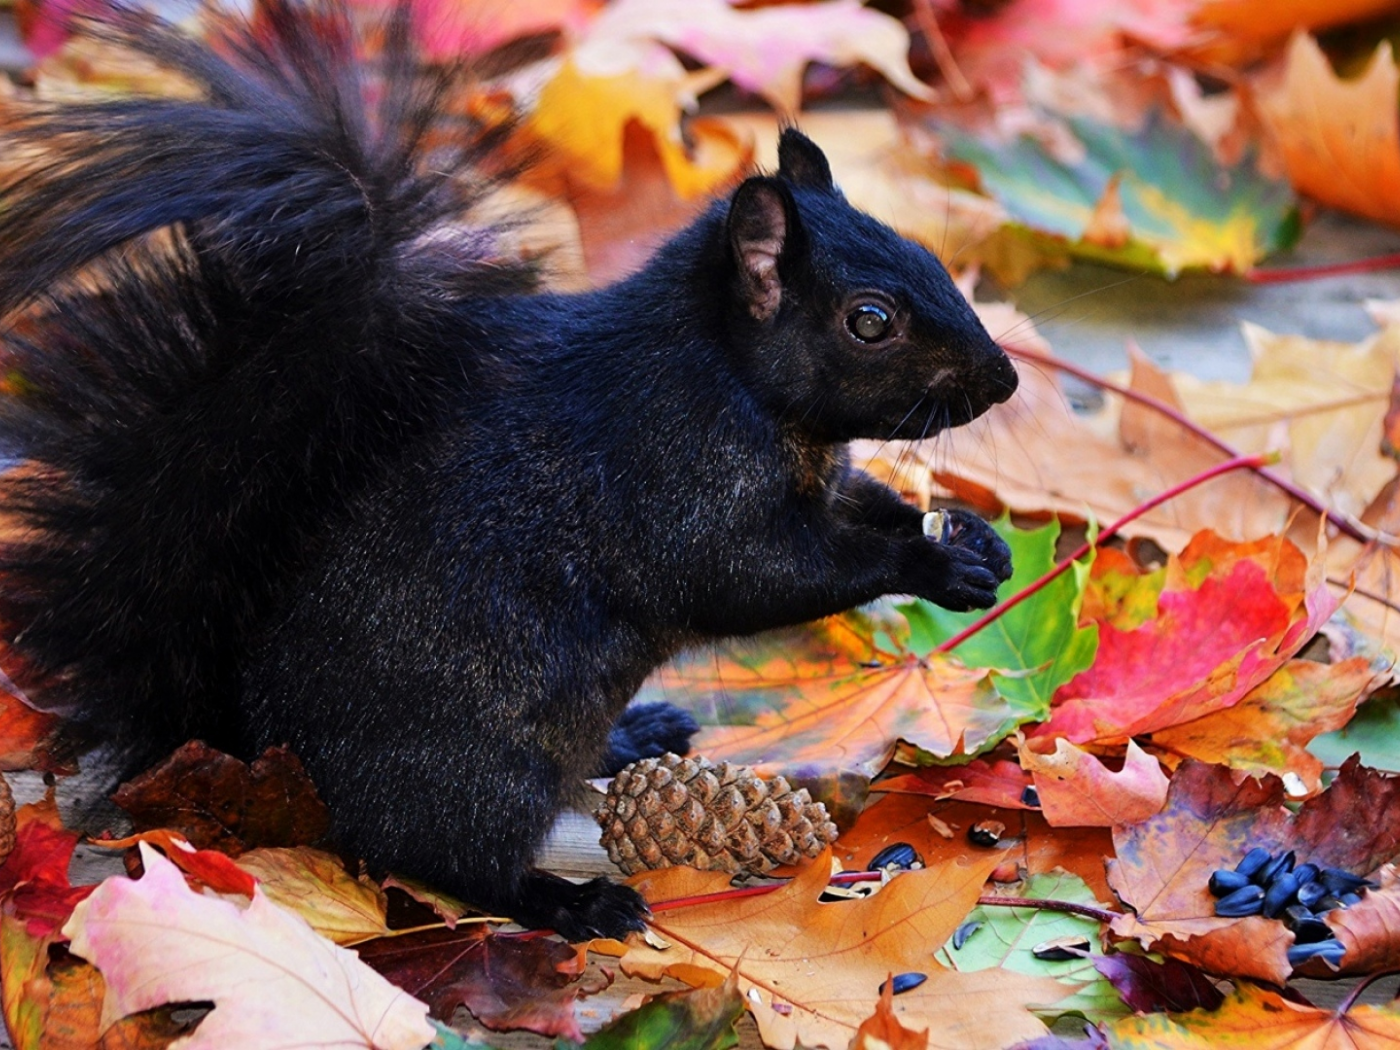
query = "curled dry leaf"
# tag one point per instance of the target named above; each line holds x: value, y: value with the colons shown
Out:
x: 274, y: 983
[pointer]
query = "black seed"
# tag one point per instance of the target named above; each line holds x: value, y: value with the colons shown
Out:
x: 1225, y: 882
x: 1247, y: 900
x: 1030, y: 796
x: 963, y: 932
x: 1310, y: 893
x: 1339, y: 881
x: 1348, y: 899
x: 903, y: 982
x: 1306, y: 872
x: 1330, y: 951
x: 1328, y: 903
x: 896, y: 855
x: 1253, y: 861
x: 1060, y: 949
x: 1311, y: 930
x: 986, y: 832
x: 1280, y: 865
x: 1280, y: 894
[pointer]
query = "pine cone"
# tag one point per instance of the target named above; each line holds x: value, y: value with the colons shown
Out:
x: 671, y: 810
x: 7, y: 820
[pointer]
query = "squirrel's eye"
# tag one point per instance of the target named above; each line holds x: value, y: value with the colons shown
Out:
x: 868, y: 323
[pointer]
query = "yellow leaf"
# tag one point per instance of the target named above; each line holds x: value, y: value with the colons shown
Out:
x: 811, y: 972
x: 316, y: 886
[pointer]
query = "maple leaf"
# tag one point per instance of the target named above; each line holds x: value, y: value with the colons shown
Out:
x: 1368, y: 930
x: 835, y: 694
x: 1007, y: 938
x: 1340, y: 140
x: 1152, y: 199
x: 765, y: 50
x: 1262, y: 1020
x: 1268, y: 731
x: 821, y: 965
x: 1163, y: 864
x: 218, y: 802
x: 1229, y: 615
x: 315, y: 885
x: 699, y: 1020
x: 274, y: 983
x: 26, y: 735
x: 1040, y: 639
x: 882, y: 1030
x: 1149, y: 986
x: 1236, y: 31
x: 505, y: 982
x: 1077, y: 790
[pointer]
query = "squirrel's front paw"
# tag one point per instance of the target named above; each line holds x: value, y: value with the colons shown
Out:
x: 970, y: 533
x: 962, y: 569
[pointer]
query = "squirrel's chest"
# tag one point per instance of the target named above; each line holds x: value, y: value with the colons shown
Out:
x: 813, y: 469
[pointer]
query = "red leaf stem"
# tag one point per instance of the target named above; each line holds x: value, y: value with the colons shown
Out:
x: 1281, y: 274
x: 1345, y: 526
x: 1252, y: 462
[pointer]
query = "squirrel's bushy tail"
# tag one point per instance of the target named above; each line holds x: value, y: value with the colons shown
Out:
x: 221, y: 321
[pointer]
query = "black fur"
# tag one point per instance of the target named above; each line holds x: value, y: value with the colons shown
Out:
x: 306, y: 464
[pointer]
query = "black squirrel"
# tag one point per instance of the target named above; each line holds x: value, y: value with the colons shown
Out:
x: 307, y: 460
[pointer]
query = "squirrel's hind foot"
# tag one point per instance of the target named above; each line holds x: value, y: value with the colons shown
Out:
x: 579, y: 911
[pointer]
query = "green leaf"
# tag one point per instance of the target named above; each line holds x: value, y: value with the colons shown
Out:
x: 447, y: 1039
x: 1039, y: 644
x: 700, y: 1020
x: 1183, y: 210
x: 1374, y: 733
x: 1008, y: 936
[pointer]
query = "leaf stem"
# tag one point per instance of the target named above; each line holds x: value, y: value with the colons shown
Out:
x: 1069, y: 907
x: 1250, y: 462
x: 1361, y: 985
x: 1281, y: 274
x: 1344, y: 525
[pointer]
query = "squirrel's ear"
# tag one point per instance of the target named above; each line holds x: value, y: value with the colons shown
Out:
x: 761, y: 223
x: 801, y: 162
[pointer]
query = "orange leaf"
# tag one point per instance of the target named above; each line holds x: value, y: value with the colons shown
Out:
x: 1029, y: 844
x: 1340, y: 140
x: 1077, y: 790
x: 827, y: 961
x: 832, y: 694
x: 26, y: 734
x: 882, y: 1030
x: 1268, y: 731
x: 1261, y: 1020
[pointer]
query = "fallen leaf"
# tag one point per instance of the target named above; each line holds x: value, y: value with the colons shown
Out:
x: 315, y: 885
x: 1373, y: 734
x: 1262, y: 1020
x: 219, y: 802
x: 1040, y: 640
x: 1078, y: 790
x: 26, y: 735
x: 1340, y: 140
x: 1008, y: 938
x: 273, y: 982
x: 882, y: 1030
x: 1229, y: 615
x: 1000, y: 782
x: 1237, y: 31
x: 766, y: 49
x: 449, y: 29
x: 1175, y: 207
x: 1269, y: 730
x: 203, y: 867
x: 1210, y: 821
x: 1369, y: 930
x: 699, y: 1020
x: 1029, y: 844
x: 1149, y: 986
x: 835, y: 694
x: 827, y: 961
x: 507, y: 983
